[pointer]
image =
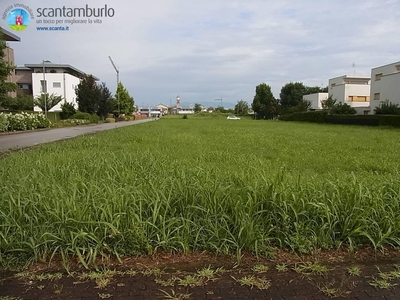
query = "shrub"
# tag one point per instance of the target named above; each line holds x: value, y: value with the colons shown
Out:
x: 23, y: 121
x: 76, y: 121
x: 120, y: 119
x: 323, y: 117
x: 307, y: 116
x: 67, y: 110
x: 110, y: 120
x: 387, y: 108
x: 92, y: 118
x: 185, y: 117
x: 342, y: 109
x: 3, y: 122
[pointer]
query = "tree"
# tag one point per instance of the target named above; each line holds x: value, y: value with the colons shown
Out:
x: 264, y: 103
x: 21, y: 102
x: 303, y: 105
x: 88, y: 95
x: 5, y: 70
x: 328, y: 103
x: 220, y: 109
x: 292, y: 93
x: 106, y: 104
x: 242, y: 108
x: 197, y: 108
x: 387, y: 108
x: 46, y: 102
x: 67, y: 110
x: 123, y: 103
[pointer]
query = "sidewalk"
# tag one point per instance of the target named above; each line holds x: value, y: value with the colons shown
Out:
x: 32, y: 138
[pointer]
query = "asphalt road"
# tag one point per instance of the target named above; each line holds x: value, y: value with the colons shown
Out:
x: 32, y: 138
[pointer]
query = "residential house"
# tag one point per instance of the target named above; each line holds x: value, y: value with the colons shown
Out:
x: 385, y: 84
x: 352, y: 90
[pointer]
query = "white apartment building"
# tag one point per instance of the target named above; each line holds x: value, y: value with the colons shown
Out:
x: 58, y: 79
x: 352, y: 90
x: 316, y: 99
x: 385, y: 84
x: 61, y: 84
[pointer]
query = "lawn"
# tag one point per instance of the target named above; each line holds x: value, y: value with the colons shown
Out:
x: 224, y: 186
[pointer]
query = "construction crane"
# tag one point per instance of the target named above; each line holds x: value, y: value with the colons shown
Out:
x: 116, y: 94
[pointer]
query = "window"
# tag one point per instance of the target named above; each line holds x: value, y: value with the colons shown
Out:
x: 378, y: 76
x: 377, y: 96
x: 43, y: 86
x: 24, y: 86
x: 333, y: 84
x: 56, y: 84
x: 358, y: 98
x: 53, y: 71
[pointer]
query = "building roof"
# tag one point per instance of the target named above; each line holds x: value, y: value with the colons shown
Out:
x: 9, y: 36
x: 59, y: 66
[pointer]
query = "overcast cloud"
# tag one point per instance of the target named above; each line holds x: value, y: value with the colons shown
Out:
x: 203, y: 50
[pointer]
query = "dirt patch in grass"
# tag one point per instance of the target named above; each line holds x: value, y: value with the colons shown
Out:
x: 366, y: 274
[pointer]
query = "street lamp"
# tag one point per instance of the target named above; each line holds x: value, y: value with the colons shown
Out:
x: 44, y: 87
x: 116, y: 92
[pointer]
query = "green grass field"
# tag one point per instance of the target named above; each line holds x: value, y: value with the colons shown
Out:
x: 223, y: 186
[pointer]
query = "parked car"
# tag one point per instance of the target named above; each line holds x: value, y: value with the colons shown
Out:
x: 232, y: 118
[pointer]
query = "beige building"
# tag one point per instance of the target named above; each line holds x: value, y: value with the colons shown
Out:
x: 9, y: 54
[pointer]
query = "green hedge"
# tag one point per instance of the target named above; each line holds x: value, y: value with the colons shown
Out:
x: 324, y: 117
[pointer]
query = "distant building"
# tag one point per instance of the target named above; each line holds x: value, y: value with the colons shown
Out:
x: 352, y: 90
x: 163, y: 107
x: 183, y: 110
x: 385, y: 84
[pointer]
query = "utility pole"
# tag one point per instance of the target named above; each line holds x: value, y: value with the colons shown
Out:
x: 219, y: 99
x: 116, y: 91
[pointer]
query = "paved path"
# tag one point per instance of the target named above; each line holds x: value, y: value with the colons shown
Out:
x: 32, y: 138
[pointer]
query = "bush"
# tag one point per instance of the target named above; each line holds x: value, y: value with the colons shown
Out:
x: 120, y: 119
x: 67, y: 110
x: 86, y: 116
x: 323, y: 117
x: 76, y: 121
x: 23, y: 121
x: 3, y: 122
x: 387, y: 108
x: 110, y: 120
x: 185, y: 117
x: 307, y: 116
x: 342, y: 109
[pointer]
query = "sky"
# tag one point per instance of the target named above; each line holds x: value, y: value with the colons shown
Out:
x: 219, y: 49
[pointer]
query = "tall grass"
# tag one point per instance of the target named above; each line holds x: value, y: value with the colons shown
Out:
x: 202, y: 184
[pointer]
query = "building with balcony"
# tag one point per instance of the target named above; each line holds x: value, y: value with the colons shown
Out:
x: 352, y: 90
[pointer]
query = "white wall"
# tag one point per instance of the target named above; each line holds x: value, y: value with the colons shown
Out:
x: 316, y: 99
x: 66, y: 89
x: 388, y: 86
